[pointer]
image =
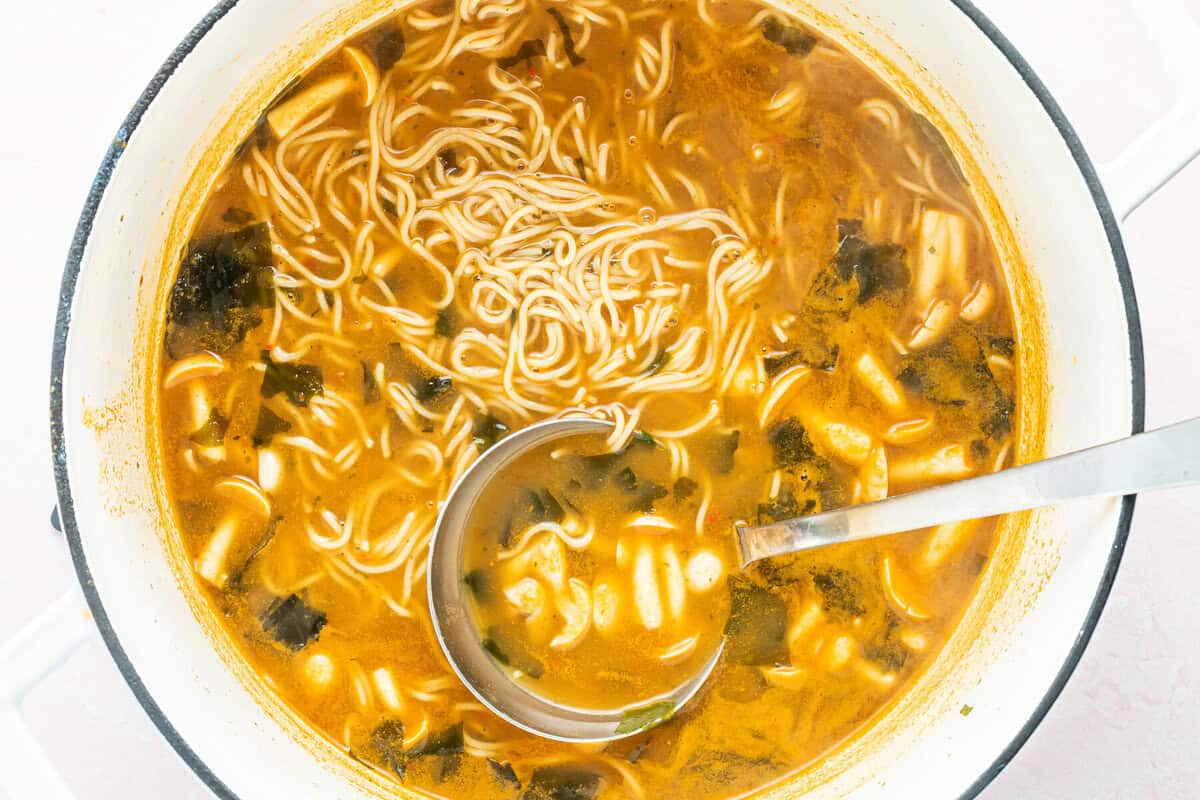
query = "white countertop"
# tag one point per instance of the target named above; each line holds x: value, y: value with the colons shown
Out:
x: 1128, y: 724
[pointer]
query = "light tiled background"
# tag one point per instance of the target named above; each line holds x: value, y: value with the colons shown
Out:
x: 1128, y: 724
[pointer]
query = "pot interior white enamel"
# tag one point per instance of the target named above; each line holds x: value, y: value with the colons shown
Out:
x: 1023, y: 646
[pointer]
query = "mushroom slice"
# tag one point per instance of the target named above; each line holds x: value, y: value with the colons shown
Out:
x: 367, y: 72
x: 839, y: 652
x: 386, y: 691
x: 791, y: 678
x: 287, y: 116
x: 210, y: 565
x: 783, y: 388
x: 245, y: 492
x: 673, y: 578
x: 873, y: 476
x: 318, y: 671
x: 645, y: 589
x: 935, y: 324
x: 947, y: 464
x: 978, y: 304
x: 576, y: 608
x: 680, y: 651
x: 653, y: 522
x: 703, y: 571
x: 909, y: 432
x: 878, y: 382
x: 944, y: 540
x: 270, y: 470
x: 899, y: 591
x: 848, y: 442
x: 200, y: 365
x: 606, y: 606
x: 527, y: 596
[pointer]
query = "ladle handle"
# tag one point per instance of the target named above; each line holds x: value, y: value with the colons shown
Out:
x: 1161, y: 459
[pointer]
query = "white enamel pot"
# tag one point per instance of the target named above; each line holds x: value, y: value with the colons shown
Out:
x: 1014, y: 652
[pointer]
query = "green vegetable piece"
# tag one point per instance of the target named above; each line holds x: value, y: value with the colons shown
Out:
x: 636, y: 720
x: 661, y: 359
x: 387, y: 740
x: 298, y: 382
x: 488, y: 431
x: 447, y: 320
x: 504, y: 774
x: 840, y: 591
x: 269, y: 423
x: 510, y: 651
x: 568, y: 38
x: 432, y: 387
x: 684, y: 487
x: 879, y: 269
x: 563, y: 782
x: 796, y: 41
x: 370, y: 385
x: 387, y: 46
x: 212, y: 432
x: 237, y: 216
x: 966, y: 710
x: 530, y: 48
x: 756, y: 632
x: 790, y: 442
x: 935, y: 137
x: 483, y: 585
x: 641, y: 437
x: 224, y: 282
x: 720, y: 448
x: 292, y: 622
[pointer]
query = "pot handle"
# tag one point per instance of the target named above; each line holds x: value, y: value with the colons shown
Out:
x: 26, y: 772
x: 1170, y: 144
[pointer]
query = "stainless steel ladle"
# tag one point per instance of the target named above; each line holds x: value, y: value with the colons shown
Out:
x: 1162, y: 459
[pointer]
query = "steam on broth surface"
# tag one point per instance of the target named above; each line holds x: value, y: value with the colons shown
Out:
x: 703, y: 222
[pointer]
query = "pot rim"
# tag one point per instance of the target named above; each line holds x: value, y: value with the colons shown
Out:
x: 83, y: 231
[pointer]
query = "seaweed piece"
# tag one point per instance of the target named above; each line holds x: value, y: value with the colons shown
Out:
x: 879, y: 269
x: 449, y: 160
x: 626, y: 479
x: 635, y: 755
x: 530, y: 48
x: 269, y: 423
x: 955, y: 373
x: 790, y: 442
x: 891, y: 655
x: 292, y: 622
x: 641, y: 437
x: 236, y: 216
x: 840, y: 592
x: 720, y: 448
x: 796, y: 41
x: 447, y: 747
x: 212, y: 432
x: 504, y: 774
x: 299, y: 382
x: 646, y: 495
x: 684, y: 487
x: 809, y: 351
x: 224, y: 282
x: 447, y: 323
x: 388, y: 742
x: 935, y: 137
x: 387, y: 46
x: 783, y: 506
x: 756, y: 631
x: 661, y: 359
x: 511, y: 652
x: 483, y: 585
x: 568, y: 38
x: 563, y: 782
x: 370, y: 385
x: 742, y: 683
x: 488, y: 430
x: 432, y: 387
x: 637, y: 720
x: 235, y: 579
x: 1004, y: 345
x: 722, y: 768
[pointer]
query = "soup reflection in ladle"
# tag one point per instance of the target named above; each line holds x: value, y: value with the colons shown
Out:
x: 1161, y: 459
